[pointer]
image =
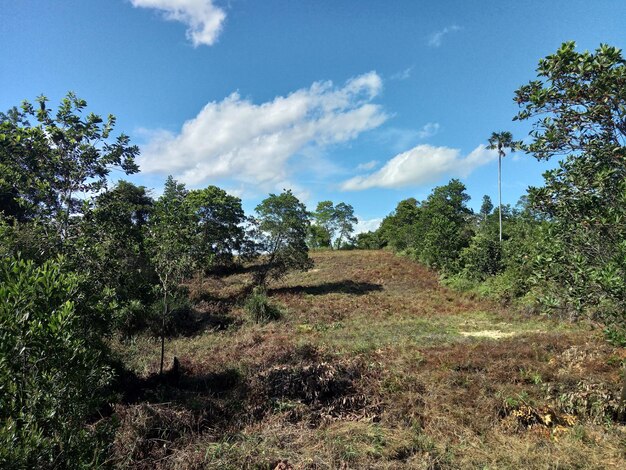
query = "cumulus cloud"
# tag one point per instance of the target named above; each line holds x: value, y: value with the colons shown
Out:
x: 421, y: 165
x: 203, y: 19
x: 254, y: 143
x: 436, y: 39
x: 366, y: 225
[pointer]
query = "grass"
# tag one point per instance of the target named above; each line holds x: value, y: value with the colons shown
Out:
x: 372, y: 364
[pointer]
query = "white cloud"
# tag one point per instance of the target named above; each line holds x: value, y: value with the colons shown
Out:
x: 367, y: 225
x: 428, y: 130
x: 203, y: 19
x: 436, y: 39
x: 367, y: 166
x: 254, y: 143
x: 421, y: 165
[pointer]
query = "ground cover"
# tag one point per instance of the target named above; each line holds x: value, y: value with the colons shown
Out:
x: 373, y: 364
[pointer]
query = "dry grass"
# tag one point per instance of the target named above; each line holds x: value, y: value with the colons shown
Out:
x: 372, y: 365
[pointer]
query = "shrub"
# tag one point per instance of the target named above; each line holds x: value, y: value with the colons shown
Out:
x: 259, y: 307
x: 51, y: 370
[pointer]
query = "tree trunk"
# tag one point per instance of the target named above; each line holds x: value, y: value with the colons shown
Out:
x: 500, y: 193
x: 163, y: 331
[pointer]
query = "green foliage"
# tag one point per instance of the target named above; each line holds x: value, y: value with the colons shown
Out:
x: 399, y: 229
x: 112, y: 248
x: 325, y: 223
x: 486, y: 207
x: 433, y: 231
x: 318, y: 237
x: 579, y: 109
x: 332, y: 221
x: 369, y: 241
x: 51, y: 372
x: 172, y: 233
x: 281, y: 230
x: 220, y: 226
x: 45, y: 166
x: 344, y: 215
x: 503, y: 141
x: 616, y: 335
x: 259, y: 308
x: 445, y: 227
x: 483, y: 256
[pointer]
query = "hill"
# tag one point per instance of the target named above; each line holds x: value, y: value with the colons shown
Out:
x: 373, y: 364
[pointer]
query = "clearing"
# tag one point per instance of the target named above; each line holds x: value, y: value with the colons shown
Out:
x: 373, y: 364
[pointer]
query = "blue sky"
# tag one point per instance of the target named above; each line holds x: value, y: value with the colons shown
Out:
x: 367, y: 102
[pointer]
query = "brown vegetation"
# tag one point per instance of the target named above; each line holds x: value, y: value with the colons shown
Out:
x: 369, y: 367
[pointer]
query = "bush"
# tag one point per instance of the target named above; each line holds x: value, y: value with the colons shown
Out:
x: 483, y: 257
x: 259, y: 307
x: 51, y: 371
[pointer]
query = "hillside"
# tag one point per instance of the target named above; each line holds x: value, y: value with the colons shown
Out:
x: 373, y: 364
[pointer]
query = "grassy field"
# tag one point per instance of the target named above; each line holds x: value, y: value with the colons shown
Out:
x: 373, y: 364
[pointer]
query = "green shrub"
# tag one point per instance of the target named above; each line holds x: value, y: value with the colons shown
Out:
x: 505, y: 286
x: 458, y: 282
x: 259, y: 307
x: 51, y: 370
x: 483, y: 257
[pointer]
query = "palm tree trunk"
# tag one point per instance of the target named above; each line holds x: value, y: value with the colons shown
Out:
x: 500, y: 193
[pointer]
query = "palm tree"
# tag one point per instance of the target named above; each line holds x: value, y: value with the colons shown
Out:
x: 501, y: 141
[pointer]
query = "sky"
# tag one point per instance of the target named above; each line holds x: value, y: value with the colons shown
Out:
x: 366, y: 102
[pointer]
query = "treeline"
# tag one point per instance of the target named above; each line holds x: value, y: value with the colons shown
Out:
x: 81, y: 261
x: 564, y: 245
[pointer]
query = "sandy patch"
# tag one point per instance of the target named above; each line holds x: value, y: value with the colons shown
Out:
x: 493, y: 334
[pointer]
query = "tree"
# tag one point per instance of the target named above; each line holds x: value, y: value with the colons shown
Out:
x: 502, y: 141
x: 46, y: 166
x: 325, y: 217
x: 486, y: 207
x: 399, y: 229
x: 172, y: 232
x: 220, y: 222
x: 345, y: 220
x: 445, y: 226
x: 113, y: 249
x: 318, y: 237
x: 578, y: 105
x: 369, y: 241
x: 281, y: 229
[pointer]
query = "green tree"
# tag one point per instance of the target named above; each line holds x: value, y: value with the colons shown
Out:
x: 400, y: 229
x: 578, y: 106
x: 172, y: 233
x: 318, y: 237
x: 46, y: 166
x: 282, y: 225
x: 325, y: 217
x: 486, y: 207
x: 369, y: 241
x: 220, y: 223
x: 445, y: 226
x: 114, y: 251
x: 345, y: 220
x: 502, y: 141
